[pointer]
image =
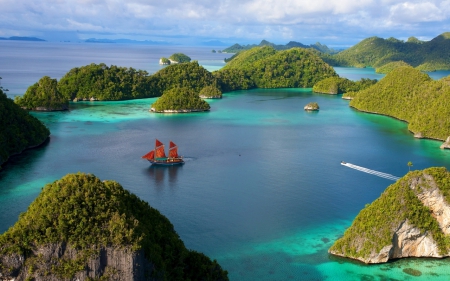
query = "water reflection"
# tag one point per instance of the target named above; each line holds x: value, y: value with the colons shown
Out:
x: 163, y: 175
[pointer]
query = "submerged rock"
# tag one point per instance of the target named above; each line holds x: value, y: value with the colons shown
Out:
x: 410, y: 219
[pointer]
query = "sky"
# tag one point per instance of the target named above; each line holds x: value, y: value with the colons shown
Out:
x: 334, y: 23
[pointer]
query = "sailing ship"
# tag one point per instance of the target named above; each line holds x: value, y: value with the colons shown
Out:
x: 158, y: 155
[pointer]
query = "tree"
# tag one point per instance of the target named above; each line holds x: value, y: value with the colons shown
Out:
x: 410, y: 164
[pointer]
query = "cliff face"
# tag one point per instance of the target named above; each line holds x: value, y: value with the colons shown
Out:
x: 52, y: 263
x: 416, y: 225
x: 82, y: 228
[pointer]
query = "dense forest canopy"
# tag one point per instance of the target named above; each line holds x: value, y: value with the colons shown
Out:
x: 43, y: 95
x: 408, y: 94
x: 338, y: 85
x: 264, y: 67
x: 376, y: 52
x: 18, y: 129
x: 88, y: 213
x: 180, y: 99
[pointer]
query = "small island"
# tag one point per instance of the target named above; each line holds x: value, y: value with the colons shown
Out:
x: 210, y: 92
x: 175, y: 58
x: 83, y: 228
x: 179, y: 100
x: 312, y: 106
x: 410, y: 219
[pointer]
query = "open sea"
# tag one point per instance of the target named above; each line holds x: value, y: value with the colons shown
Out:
x: 262, y: 191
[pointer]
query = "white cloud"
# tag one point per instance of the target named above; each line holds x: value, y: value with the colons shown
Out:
x: 269, y: 19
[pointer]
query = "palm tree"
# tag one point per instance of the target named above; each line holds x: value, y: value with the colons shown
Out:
x: 410, y: 164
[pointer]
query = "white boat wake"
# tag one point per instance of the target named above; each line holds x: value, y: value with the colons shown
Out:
x: 372, y: 172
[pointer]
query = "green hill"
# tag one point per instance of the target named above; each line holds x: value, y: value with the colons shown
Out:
x: 264, y: 67
x: 410, y: 95
x: 78, y: 219
x: 292, y: 44
x: 43, y: 96
x: 375, y: 52
x: 18, y: 129
x: 180, y: 100
x: 401, y: 222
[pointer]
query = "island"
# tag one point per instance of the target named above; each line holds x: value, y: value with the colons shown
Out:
x: 410, y: 95
x: 83, y: 228
x: 312, y: 106
x: 376, y: 52
x: 18, y: 129
x: 210, y: 92
x: 43, y: 96
x: 180, y: 100
x: 410, y: 219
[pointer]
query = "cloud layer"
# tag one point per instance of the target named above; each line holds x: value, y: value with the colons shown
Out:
x: 250, y: 20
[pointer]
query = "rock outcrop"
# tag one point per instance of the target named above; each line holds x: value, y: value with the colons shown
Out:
x: 416, y: 224
x: 119, y: 264
x: 82, y: 228
x: 446, y: 144
x: 312, y: 106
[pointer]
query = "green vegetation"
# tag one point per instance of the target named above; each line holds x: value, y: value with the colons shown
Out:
x: 390, y: 66
x: 164, y: 60
x: 292, y: 44
x: 374, y: 227
x: 376, y: 52
x: 89, y: 214
x: 18, y: 129
x: 312, y: 106
x: 264, y: 67
x: 105, y: 83
x: 43, y: 95
x: 209, y: 92
x: 180, y: 99
x: 179, y: 58
x: 191, y: 75
x: 338, y: 85
x: 410, y: 95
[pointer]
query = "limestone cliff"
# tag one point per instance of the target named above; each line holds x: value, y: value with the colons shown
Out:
x: 81, y: 228
x: 410, y: 219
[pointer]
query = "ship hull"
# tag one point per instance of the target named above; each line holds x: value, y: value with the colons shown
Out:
x: 167, y: 162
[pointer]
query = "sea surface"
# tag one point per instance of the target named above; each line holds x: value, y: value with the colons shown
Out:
x: 262, y: 191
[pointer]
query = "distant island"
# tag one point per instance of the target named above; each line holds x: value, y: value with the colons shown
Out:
x: 409, y: 219
x: 127, y: 41
x: 18, y: 129
x: 338, y: 85
x: 19, y: 38
x: 376, y: 52
x: 83, y: 228
x: 292, y: 44
x: 175, y: 58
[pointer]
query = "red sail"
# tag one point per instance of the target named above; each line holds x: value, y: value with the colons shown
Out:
x: 150, y: 155
x: 159, y: 150
x: 173, y: 150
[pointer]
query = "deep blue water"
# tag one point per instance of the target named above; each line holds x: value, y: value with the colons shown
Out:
x: 262, y: 190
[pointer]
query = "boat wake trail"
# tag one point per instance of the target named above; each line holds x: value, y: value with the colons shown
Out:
x: 372, y: 172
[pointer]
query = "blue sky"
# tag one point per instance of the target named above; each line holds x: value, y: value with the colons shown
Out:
x: 335, y: 23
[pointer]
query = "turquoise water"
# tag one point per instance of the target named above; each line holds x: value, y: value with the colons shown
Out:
x: 262, y: 190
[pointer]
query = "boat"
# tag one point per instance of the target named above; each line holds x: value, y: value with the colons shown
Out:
x: 158, y: 155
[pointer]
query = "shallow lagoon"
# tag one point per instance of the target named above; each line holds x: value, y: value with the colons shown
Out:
x: 262, y: 190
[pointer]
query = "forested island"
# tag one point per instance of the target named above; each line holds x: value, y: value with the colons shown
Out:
x: 180, y: 100
x: 408, y: 94
x: 82, y: 228
x: 18, y: 129
x: 43, y: 96
x: 409, y: 219
x: 376, y: 52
